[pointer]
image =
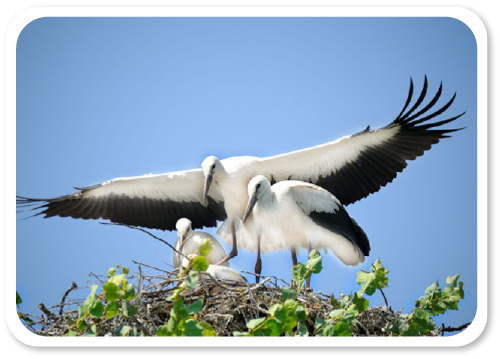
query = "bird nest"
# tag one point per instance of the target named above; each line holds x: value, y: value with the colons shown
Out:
x: 227, y: 308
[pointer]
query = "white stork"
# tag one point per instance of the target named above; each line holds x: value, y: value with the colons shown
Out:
x: 188, y: 242
x: 300, y: 214
x: 351, y: 168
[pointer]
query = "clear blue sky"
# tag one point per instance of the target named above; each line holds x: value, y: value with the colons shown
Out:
x: 100, y: 98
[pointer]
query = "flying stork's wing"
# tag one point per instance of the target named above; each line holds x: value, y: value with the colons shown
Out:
x: 151, y: 201
x: 355, y: 166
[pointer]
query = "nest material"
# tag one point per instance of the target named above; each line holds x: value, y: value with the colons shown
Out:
x: 226, y: 307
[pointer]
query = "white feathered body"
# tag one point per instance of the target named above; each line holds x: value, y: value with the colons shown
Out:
x: 192, y: 244
x: 282, y: 219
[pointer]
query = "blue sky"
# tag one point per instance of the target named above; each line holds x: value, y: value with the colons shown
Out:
x: 100, y: 98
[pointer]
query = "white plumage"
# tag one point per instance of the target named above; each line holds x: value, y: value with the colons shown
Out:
x: 188, y: 242
x: 299, y: 214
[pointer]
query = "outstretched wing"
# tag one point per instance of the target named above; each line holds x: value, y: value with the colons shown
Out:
x: 355, y: 166
x: 151, y: 201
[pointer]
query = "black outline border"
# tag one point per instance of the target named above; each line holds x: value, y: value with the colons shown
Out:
x: 492, y: 309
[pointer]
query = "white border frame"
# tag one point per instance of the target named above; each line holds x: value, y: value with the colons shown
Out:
x: 466, y: 16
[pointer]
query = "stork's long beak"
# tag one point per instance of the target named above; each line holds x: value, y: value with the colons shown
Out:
x: 251, y: 203
x: 208, y: 182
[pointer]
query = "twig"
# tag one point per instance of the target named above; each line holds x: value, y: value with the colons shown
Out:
x: 73, y: 287
x: 152, y: 235
x: 96, y: 277
x: 267, y: 275
x: 385, y: 299
x: 450, y: 329
x: 149, y: 266
x: 47, y: 312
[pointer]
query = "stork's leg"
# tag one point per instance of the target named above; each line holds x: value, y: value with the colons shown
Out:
x: 294, y: 256
x: 294, y: 261
x: 258, y: 264
x: 234, y: 251
x: 308, y: 279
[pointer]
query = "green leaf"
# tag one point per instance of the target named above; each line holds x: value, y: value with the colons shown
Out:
x: 174, y: 294
x: 255, y: 322
x: 112, y: 291
x: 328, y: 330
x: 128, y: 310
x: 374, y: 280
x: 315, y: 261
x: 314, y: 254
x: 342, y: 329
x: 193, y: 279
x: 377, y: 265
x: 111, y: 272
x: 208, y: 330
x: 291, y: 319
x: 171, y: 325
x: 200, y: 264
x: 278, y: 312
x: 25, y: 318
x: 97, y: 310
x: 461, y: 289
x: 129, y: 292
x: 453, y: 280
x: 81, y: 325
x: 433, y: 290
x: 71, y: 333
x: 319, y: 323
x: 192, y: 329
x: 179, y: 311
x: 359, y: 303
x: 195, y: 307
x: 288, y: 293
x: 122, y: 330
x: 111, y: 309
x: 92, y: 332
x: 302, y: 329
x: 299, y: 272
x: 92, y: 305
x: 367, y: 280
x: 125, y: 270
x: 205, y: 247
x: 301, y: 313
x: 272, y: 328
x: 164, y: 331
x: 18, y: 298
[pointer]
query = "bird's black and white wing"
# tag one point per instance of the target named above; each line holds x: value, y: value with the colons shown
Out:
x: 326, y: 211
x: 151, y: 201
x: 355, y: 166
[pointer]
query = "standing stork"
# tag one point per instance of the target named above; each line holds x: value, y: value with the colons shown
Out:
x: 301, y: 214
x: 351, y: 168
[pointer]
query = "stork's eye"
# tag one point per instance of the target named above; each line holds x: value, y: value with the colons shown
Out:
x: 257, y: 187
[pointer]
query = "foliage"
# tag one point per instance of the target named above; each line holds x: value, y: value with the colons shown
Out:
x: 342, y: 316
x: 183, y: 320
x: 21, y: 316
x: 341, y: 320
x: 117, y: 293
x: 433, y: 303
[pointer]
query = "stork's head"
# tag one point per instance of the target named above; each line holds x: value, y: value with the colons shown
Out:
x: 210, y: 166
x: 184, y: 229
x: 257, y: 187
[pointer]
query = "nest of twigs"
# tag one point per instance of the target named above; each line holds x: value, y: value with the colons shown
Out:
x: 226, y: 307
